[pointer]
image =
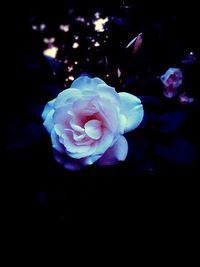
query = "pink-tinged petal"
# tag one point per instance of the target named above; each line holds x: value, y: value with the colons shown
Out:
x: 48, y: 107
x: 109, y: 93
x: 77, y: 138
x: 116, y: 153
x: 76, y: 127
x: 93, y: 129
x: 56, y: 143
x: 85, y: 82
x: 62, y: 116
x: 48, y: 123
x: 77, y: 151
x: 66, y: 96
x: 132, y: 109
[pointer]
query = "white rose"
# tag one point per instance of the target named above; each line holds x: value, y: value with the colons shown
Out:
x: 87, y: 121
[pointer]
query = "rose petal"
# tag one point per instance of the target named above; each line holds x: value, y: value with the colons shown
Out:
x: 56, y: 143
x: 93, y: 129
x: 117, y: 152
x: 48, y: 123
x: 105, y: 142
x: 108, y: 115
x: 62, y: 116
x: 66, y: 96
x: 90, y: 160
x: 76, y: 127
x: 48, y: 107
x: 122, y: 123
x: 85, y: 82
x: 67, y: 162
x: 132, y: 109
x: 74, y: 150
x: 108, y: 93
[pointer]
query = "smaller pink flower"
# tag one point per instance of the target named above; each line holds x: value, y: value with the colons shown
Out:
x: 183, y: 99
x: 172, y: 80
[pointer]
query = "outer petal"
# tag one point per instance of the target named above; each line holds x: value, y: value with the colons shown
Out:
x: 117, y: 152
x: 67, y: 162
x: 65, y: 96
x: 48, y: 123
x: 132, y: 109
x: 85, y: 82
x: 56, y: 143
x: 48, y: 107
x: 108, y: 92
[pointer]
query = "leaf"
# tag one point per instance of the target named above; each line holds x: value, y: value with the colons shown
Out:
x: 178, y: 150
x: 170, y: 122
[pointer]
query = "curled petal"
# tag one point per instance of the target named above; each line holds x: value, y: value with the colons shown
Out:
x: 93, y: 129
x: 132, y: 109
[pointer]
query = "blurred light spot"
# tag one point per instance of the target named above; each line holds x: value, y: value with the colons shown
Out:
x: 96, y: 44
x: 76, y: 62
x: 34, y: 27
x: 88, y: 24
x: 65, y: 61
x: 76, y: 37
x: 99, y: 24
x: 80, y: 19
x: 118, y: 72
x: 191, y: 53
x: 64, y: 28
x: 70, y: 68
x: 42, y: 27
x: 49, y: 40
x: 75, y: 45
x: 51, y: 52
x: 71, y: 78
x: 92, y: 40
x: 97, y: 15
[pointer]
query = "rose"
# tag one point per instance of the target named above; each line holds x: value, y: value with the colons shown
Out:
x: 171, y: 80
x: 87, y: 121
